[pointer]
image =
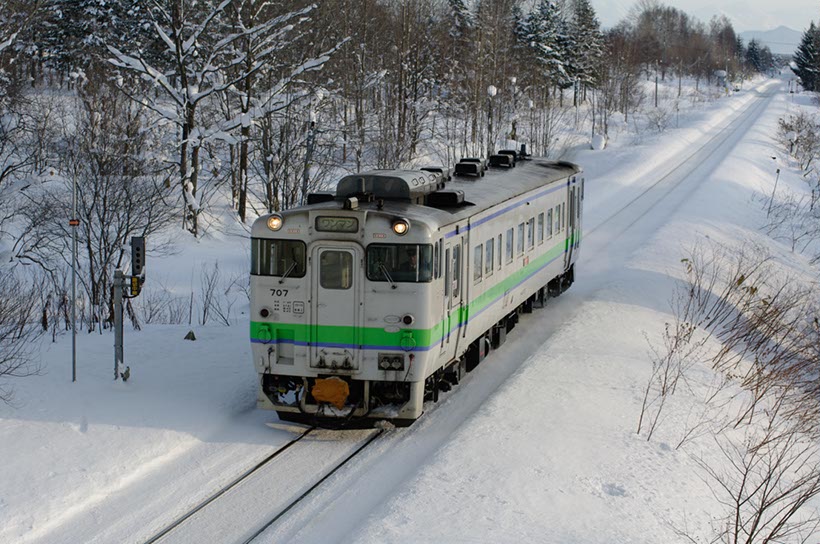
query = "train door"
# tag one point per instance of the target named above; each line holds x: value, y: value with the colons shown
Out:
x: 572, y: 223
x: 452, y: 297
x: 335, y: 329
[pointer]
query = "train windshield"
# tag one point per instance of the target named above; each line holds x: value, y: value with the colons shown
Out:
x: 277, y: 258
x: 400, y: 262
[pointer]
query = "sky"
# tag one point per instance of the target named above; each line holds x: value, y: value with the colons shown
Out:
x: 745, y: 14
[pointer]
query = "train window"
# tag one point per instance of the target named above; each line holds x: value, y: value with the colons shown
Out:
x: 437, y: 260
x: 456, y: 269
x: 557, y: 217
x: 278, y: 258
x: 336, y: 269
x: 563, y: 215
x: 520, y: 245
x: 531, y: 234
x: 488, y: 257
x: 447, y: 273
x: 541, y: 228
x: 410, y: 263
x: 549, y: 223
x: 509, y: 249
x: 499, y: 252
x: 478, y: 262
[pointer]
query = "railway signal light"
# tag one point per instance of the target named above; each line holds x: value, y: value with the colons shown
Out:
x: 137, y: 255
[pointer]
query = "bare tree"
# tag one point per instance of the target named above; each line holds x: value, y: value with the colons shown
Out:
x: 106, y: 151
x: 757, y: 330
x: 18, y: 331
x: 765, y: 485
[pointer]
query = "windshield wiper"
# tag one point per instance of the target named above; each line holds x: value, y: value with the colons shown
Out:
x: 288, y: 271
x: 387, y: 275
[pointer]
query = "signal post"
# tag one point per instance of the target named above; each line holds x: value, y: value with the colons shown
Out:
x: 133, y: 285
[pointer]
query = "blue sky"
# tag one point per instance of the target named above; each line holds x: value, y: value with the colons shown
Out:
x: 745, y: 14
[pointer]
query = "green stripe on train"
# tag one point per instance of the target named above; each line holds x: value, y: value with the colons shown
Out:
x: 377, y: 336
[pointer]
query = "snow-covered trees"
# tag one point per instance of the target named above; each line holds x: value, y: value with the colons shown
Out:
x: 102, y: 146
x: 587, y: 46
x: 807, y: 59
x: 225, y: 52
x: 541, y: 35
x: 759, y: 57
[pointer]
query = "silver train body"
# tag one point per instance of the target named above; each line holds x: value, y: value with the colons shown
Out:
x: 366, y: 303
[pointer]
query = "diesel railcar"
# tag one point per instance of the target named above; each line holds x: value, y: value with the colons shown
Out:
x: 367, y: 302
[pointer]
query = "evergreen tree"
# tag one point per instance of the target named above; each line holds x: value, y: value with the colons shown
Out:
x: 540, y: 34
x: 75, y: 33
x: 753, y: 56
x: 589, y: 41
x: 806, y: 62
x: 462, y: 18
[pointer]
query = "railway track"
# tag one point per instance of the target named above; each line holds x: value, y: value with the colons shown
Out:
x: 263, y: 494
x: 200, y: 524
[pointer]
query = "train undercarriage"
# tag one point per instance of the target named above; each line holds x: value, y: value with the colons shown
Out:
x: 365, y: 402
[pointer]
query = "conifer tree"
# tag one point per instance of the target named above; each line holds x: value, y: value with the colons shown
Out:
x: 540, y: 35
x: 806, y: 63
x: 753, y: 56
x: 589, y: 41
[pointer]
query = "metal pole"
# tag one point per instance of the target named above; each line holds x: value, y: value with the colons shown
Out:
x: 773, y: 191
x: 656, y: 85
x: 74, y: 222
x: 119, y: 280
x: 308, y: 159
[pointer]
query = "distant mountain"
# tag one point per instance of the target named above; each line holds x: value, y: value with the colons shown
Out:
x: 781, y: 40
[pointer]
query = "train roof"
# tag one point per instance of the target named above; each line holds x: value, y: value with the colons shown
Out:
x: 502, y: 184
x: 480, y: 192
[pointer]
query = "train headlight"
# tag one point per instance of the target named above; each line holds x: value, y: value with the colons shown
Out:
x: 275, y: 222
x: 401, y: 226
x: 397, y: 363
x: 384, y: 363
x: 408, y: 320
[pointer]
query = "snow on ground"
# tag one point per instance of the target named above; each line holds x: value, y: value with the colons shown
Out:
x: 552, y: 456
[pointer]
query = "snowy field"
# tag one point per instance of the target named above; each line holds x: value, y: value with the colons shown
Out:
x: 538, y: 445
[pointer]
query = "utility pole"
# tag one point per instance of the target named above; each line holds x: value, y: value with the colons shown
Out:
x: 771, y: 200
x: 311, y: 140
x: 656, y: 84
x: 491, y: 92
x: 74, y: 223
x: 311, y: 136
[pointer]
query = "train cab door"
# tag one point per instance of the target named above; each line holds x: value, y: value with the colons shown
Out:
x: 336, y: 310
x: 452, y: 297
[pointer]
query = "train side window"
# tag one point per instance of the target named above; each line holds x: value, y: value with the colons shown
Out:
x: 563, y: 216
x: 437, y: 260
x: 557, y: 217
x: 531, y: 233
x: 540, y: 228
x: 549, y: 223
x: 478, y: 263
x: 447, y: 273
x: 456, y: 269
x: 520, y: 245
x: 499, y: 252
x: 509, y: 248
x: 489, y: 251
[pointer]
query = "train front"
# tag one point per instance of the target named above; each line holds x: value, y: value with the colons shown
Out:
x: 341, y: 320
